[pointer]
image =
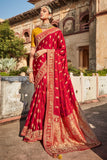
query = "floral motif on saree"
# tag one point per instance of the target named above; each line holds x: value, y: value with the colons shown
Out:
x: 55, y: 114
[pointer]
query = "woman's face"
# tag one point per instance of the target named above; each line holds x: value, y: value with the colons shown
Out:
x: 44, y: 13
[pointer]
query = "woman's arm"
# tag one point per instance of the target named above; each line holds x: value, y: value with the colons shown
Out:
x: 31, y: 77
x: 32, y: 52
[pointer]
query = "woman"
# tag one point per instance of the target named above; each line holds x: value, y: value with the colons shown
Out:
x: 55, y: 115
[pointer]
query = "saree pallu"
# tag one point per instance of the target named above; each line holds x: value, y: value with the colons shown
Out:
x: 55, y: 114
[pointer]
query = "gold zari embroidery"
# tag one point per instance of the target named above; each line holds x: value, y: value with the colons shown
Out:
x: 32, y: 135
x: 40, y: 74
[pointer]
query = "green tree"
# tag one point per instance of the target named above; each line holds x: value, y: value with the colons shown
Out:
x: 10, y: 45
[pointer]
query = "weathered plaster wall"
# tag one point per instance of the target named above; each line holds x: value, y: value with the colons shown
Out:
x: 102, y: 5
x: 73, y: 43
x: 73, y: 9
x: 15, y: 96
x: 101, y: 42
x: 92, y: 46
x: 16, y: 92
x: 22, y: 27
x: 101, y: 36
x: 92, y: 36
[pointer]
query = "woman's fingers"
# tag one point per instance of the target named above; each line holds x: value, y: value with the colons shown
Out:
x: 31, y: 78
x: 31, y: 81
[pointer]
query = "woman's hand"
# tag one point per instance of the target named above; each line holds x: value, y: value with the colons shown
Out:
x: 39, y: 52
x: 31, y: 78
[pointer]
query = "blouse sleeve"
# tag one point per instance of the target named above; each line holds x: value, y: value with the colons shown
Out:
x: 33, y: 39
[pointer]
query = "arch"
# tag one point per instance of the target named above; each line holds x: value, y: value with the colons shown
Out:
x: 84, y: 21
x: 55, y: 23
x: 17, y: 34
x: 26, y: 35
x: 68, y: 26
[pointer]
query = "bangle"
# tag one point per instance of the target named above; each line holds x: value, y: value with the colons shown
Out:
x: 36, y: 54
x: 29, y: 70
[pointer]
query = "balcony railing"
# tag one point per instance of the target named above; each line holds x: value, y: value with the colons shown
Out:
x: 84, y: 27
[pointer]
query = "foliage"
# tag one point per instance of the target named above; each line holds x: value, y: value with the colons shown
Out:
x: 10, y: 45
x: 15, y: 72
x: 23, y: 69
x: 102, y: 72
x: 4, y: 74
x: 76, y: 72
x: 88, y: 72
x: 7, y: 64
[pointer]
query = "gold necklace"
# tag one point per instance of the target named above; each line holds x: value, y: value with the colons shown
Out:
x: 45, y: 26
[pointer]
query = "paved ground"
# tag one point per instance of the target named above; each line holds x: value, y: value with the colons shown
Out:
x: 13, y: 148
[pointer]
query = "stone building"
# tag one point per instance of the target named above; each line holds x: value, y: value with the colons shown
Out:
x: 83, y: 23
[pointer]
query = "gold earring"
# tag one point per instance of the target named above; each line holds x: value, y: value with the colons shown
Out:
x: 49, y: 17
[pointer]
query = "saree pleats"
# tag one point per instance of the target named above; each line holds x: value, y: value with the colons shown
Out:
x: 33, y: 129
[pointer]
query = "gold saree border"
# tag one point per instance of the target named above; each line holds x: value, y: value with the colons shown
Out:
x: 42, y: 35
x: 57, y: 137
x: 42, y: 71
x: 63, y: 135
x: 65, y: 128
x: 31, y: 135
x: 48, y: 136
x: 40, y: 54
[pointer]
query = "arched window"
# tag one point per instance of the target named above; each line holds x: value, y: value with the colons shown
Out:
x: 84, y: 22
x: 55, y: 23
x: 28, y: 57
x: 26, y: 36
x: 17, y: 34
x: 68, y: 26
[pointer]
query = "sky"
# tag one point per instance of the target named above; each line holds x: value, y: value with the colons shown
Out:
x: 10, y: 8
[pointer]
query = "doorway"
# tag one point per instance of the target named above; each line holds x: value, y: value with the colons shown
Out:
x: 84, y: 57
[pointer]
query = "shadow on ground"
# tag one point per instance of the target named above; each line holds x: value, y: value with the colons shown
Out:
x: 97, y: 118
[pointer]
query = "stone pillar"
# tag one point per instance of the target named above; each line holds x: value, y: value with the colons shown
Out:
x: 101, y: 35
x: 92, y: 36
x: 77, y: 25
x: 98, y: 35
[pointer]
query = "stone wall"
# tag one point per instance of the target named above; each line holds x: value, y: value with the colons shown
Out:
x: 89, y: 87
x: 73, y: 43
x: 15, y: 96
x: 16, y: 92
x: 98, y: 34
x: 92, y: 46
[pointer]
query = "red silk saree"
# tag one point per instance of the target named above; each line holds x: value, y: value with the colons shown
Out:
x: 55, y: 115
